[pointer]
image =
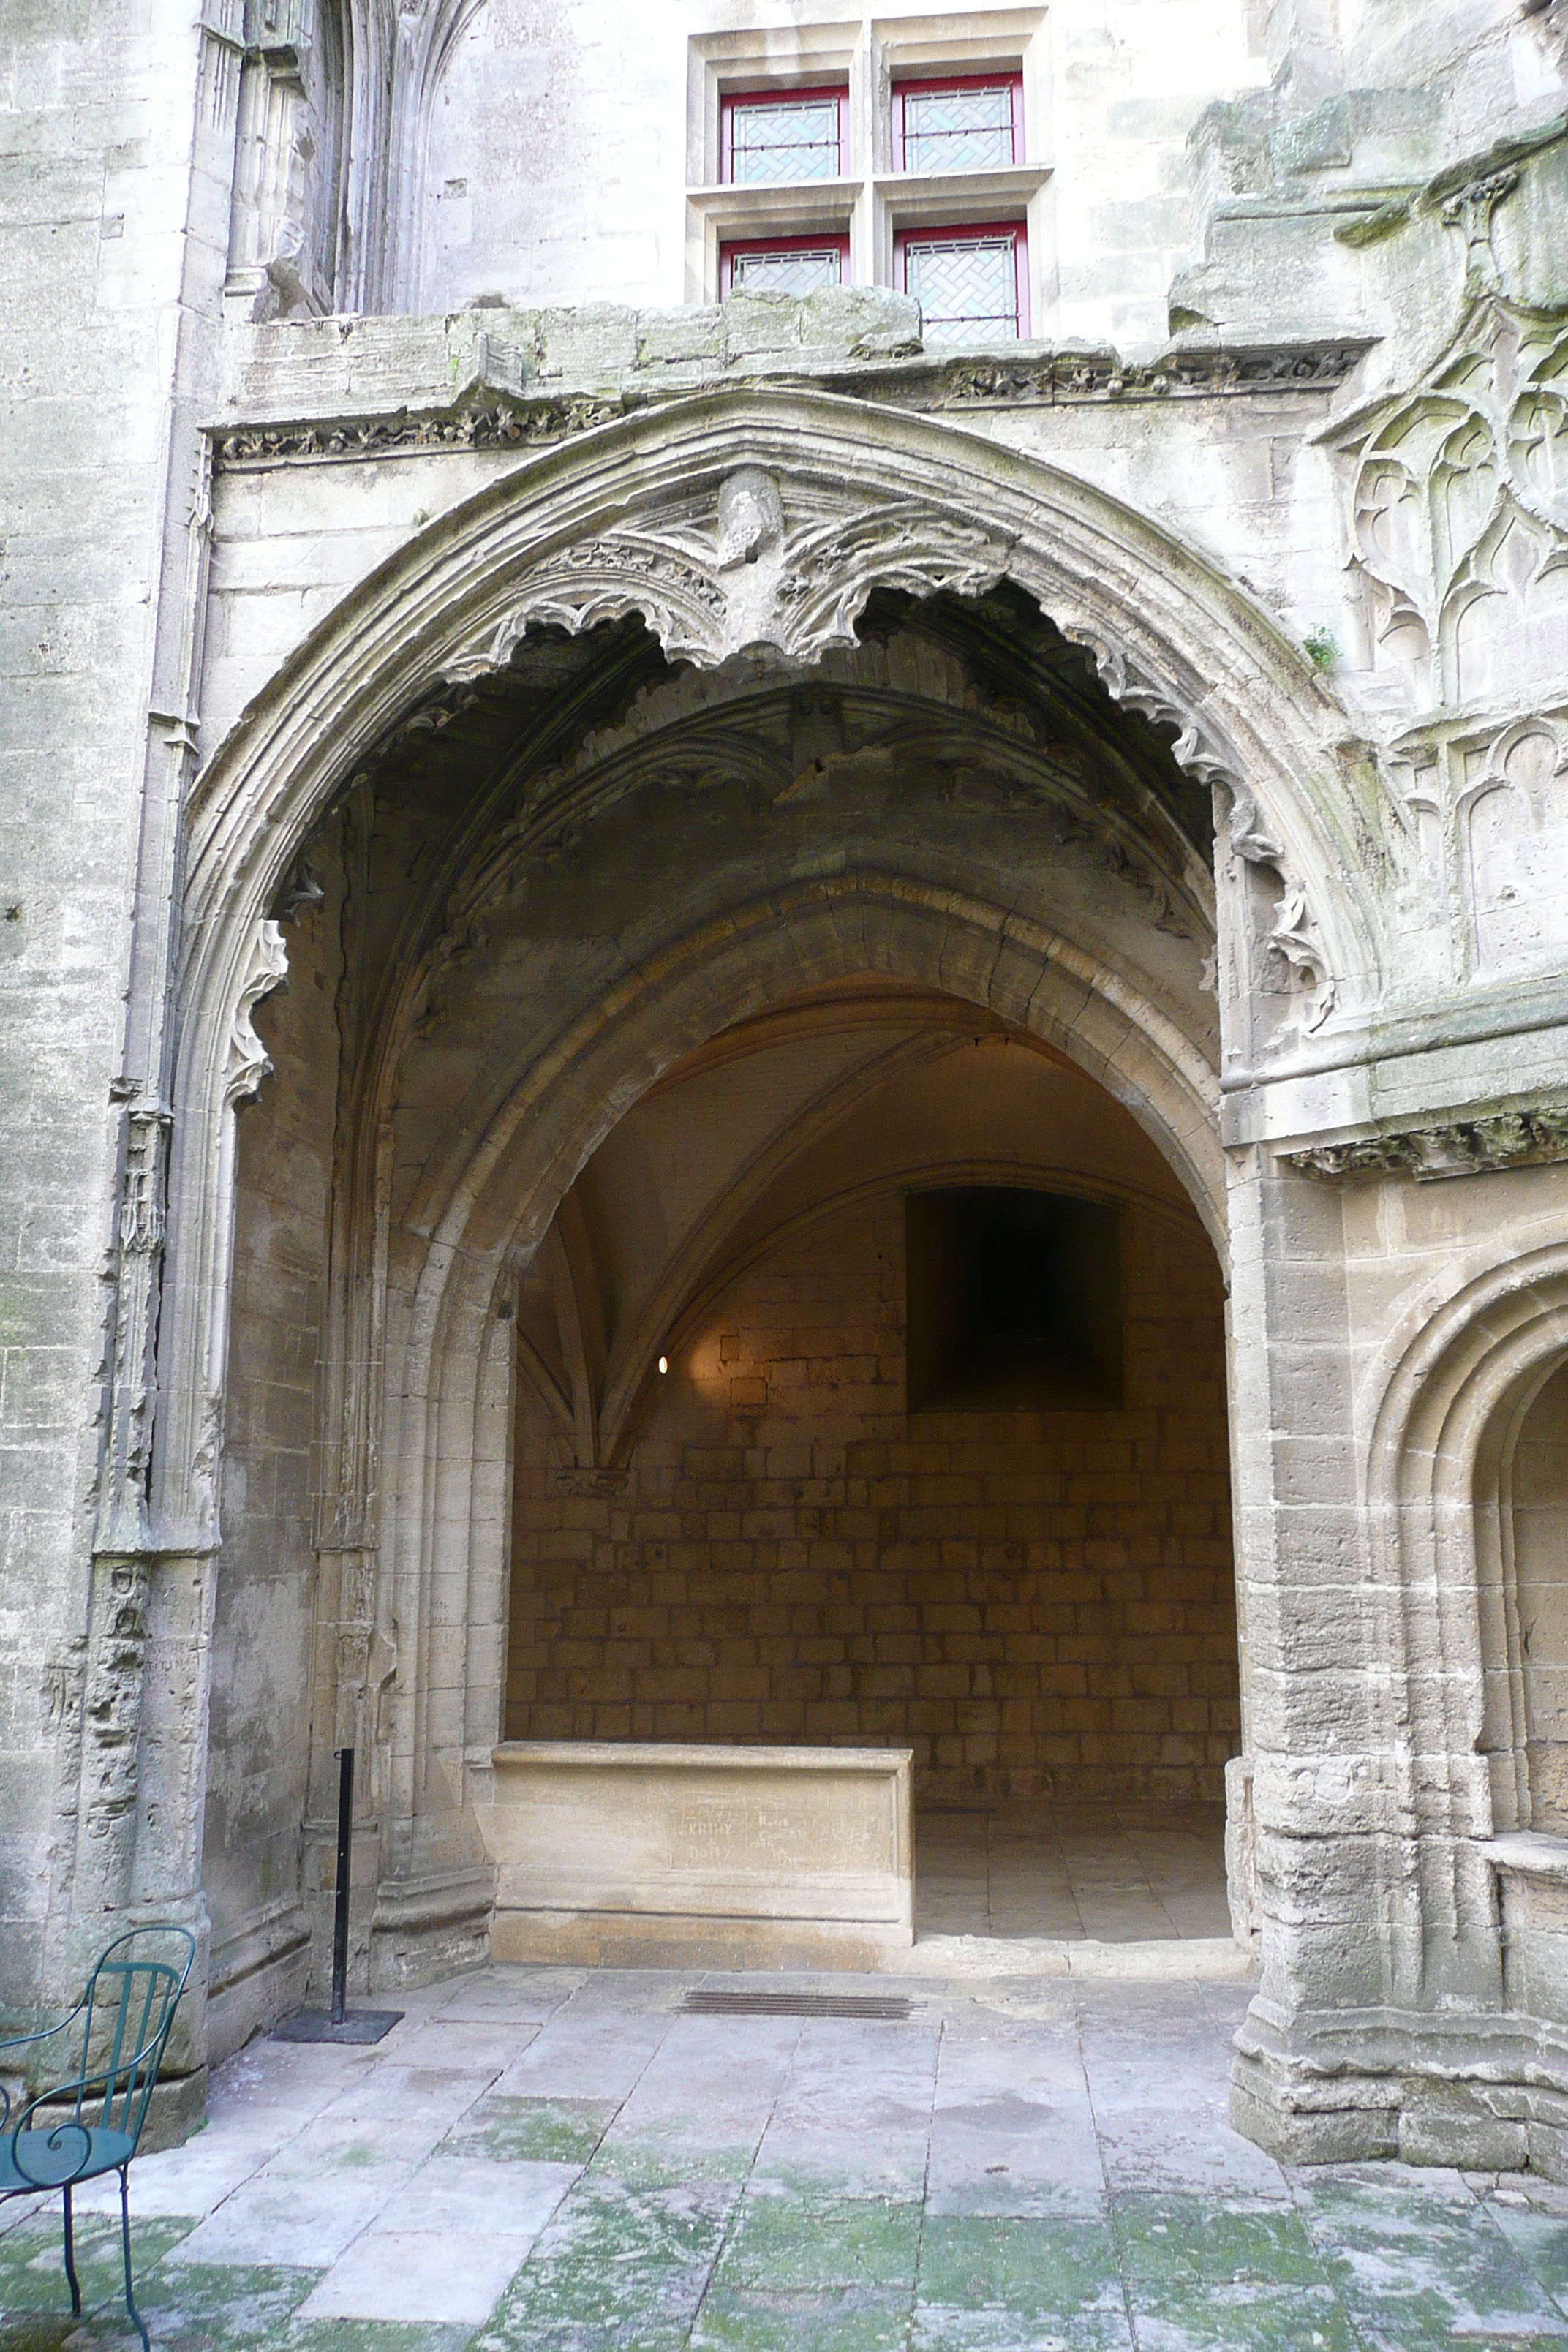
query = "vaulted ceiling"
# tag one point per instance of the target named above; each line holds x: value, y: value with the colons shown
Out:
x: 519, y: 790
x: 517, y: 840
x: 842, y: 1096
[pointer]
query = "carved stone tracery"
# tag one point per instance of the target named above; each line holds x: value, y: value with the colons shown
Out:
x: 794, y: 583
x: 1459, y: 504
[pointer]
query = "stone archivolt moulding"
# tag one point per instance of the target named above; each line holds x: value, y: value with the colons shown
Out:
x: 754, y: 523
x: 770, y: 562
x: 1461, y: 1148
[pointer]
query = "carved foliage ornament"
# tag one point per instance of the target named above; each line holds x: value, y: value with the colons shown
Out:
x: 1291, y: 933
x: 1294, y: 936
x: 247, y: 1061
x: 496, y: 424
x: 1075, y: 375
x: 1463, y: 1148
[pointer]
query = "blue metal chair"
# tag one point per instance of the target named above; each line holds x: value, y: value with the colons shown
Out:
x: 91, y: 2122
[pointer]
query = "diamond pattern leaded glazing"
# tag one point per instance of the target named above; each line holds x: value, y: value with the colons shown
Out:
x: 783, y: 139
x: 803, y: 270
x: 958, y: 130
x: 966, y: 285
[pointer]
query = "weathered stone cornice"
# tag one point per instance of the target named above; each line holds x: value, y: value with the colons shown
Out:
x: 494, y: 424
x: 489, y: 419
x: 1072, y: 375
x: 1460, y: 1147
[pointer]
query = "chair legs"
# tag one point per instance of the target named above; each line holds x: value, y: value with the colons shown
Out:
x: 125, y: 2239
x: 70, y: 2258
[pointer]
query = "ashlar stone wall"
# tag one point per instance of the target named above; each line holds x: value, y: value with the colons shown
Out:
x: 265, y: 1600
x: 1038, y: 1604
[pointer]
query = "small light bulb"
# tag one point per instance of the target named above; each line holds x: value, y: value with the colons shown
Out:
x: 664, y: 1364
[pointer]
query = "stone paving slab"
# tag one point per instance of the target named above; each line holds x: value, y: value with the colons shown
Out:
x: 559, y: 2161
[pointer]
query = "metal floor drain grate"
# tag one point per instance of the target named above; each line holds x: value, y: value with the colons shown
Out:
x: 707, y: 2001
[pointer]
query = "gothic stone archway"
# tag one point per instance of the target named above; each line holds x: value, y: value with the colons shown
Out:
x: 752, y: 535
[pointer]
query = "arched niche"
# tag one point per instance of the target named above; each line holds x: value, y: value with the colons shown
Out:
x: 1447, y: 1700
x: 332, y: 92
x: 751, y: 526
x: 1537, y: 1493
x: 1521, y: 1546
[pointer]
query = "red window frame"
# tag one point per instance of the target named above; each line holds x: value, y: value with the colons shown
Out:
x: 730, y: 99
x: 1013, y: 82
x: 807, y: 241
x: 926, y: 234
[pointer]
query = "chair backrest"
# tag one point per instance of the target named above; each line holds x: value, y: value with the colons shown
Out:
x: 127, y: 2012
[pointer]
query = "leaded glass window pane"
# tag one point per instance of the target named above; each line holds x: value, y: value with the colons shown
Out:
x: 965, y: 128
x: 966, y: 285
x: 791, y: 137
x: 798, y: 270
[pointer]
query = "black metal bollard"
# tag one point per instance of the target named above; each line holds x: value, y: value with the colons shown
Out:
x: 345, y: 1865
x: 341, y: 2023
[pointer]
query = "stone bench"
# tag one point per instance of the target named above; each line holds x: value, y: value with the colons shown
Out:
x: 654, y: 1853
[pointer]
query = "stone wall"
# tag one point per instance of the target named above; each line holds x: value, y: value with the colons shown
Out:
x: 261, y: 1701
x: 572, y: 162
x: 1035, y: 1603
x: 107, y: 243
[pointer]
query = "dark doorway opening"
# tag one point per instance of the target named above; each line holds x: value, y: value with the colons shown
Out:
x: 1014, y: 1302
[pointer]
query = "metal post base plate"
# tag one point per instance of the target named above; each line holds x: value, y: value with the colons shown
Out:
x: 356, y: 2025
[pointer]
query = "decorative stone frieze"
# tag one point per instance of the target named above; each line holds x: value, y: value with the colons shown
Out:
x: 1182, y: 372
x: 1463, y: 1147
x: 491, y: 418
x: 479, y: 425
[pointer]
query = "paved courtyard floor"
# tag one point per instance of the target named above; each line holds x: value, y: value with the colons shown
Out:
x: 1118, y: 1873
x: 562, y: 2161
